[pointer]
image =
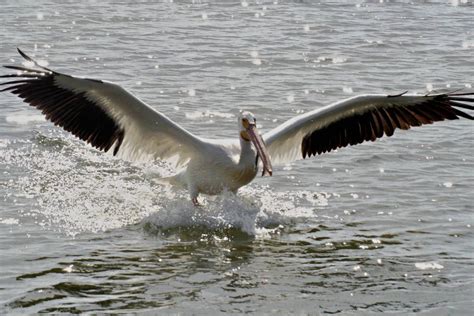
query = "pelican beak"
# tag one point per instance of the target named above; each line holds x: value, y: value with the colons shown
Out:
x: 257, y: 141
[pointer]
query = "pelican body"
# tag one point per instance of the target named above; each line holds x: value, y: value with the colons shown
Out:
x: 218, y: 168
x: 113, y: 120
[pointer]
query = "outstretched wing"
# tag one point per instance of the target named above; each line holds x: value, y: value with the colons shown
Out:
x: 102, y: 114
x: 359, y: 119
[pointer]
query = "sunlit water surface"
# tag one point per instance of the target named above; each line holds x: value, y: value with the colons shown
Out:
x: 379, y: 227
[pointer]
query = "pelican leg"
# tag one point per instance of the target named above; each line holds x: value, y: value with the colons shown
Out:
x: 195, y: 201
x: 194, y: 194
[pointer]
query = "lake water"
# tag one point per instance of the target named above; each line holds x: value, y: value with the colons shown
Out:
x: 378, y: 227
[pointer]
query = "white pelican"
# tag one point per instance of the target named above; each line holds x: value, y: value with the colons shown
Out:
x: 113, y: 120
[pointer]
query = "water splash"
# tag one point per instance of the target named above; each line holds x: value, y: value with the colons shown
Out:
x: 226, y: 211
x: 23, y: 119
x: 73, y: 188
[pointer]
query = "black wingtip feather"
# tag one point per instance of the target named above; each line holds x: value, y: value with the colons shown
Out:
x: 397, y: 95
x: 462, y: 104
x: 377, y: 121
x: 22, y: 75
x: 71, y: 110
x: 462, y: 99
x: 28, y: 58
x: 25, y: 55
x: 463, y: 114
x: 16, y: 81
x: 28, y: 70
x: 120, y: 137
x: 461, y: 94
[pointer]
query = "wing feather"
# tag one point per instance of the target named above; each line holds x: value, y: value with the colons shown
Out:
x: 359, y: 119
x: 103, y: 114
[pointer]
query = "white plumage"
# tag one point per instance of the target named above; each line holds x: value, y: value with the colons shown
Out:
x: 150, y: 134
x: 112, y: 119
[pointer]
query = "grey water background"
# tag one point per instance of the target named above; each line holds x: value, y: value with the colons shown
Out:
x: 378, y: 227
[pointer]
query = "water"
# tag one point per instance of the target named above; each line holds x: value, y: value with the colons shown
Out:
x: 379, y: 227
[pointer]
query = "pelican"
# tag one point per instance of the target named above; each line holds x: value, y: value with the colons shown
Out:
x: 111, y: 119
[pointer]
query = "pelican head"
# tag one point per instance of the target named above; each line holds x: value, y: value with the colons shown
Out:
x: 249, y: 133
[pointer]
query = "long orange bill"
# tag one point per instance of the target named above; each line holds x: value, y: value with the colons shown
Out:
x: 261, y: 149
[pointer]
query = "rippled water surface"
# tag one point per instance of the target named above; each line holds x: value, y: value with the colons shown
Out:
x: 379, y: 227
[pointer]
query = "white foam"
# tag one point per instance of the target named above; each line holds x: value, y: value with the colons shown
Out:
x: 255, y: 211
x: 224, y: 212
x: 456, y: 3
x: 428, y: 265
x: 355, y: 195
x: 338, y: 59
x: 211, y: 114
x: 374, y: 41
x: 331, y: 59
x: 28, y: 63
x: 9, y: 221
x: 347, y: 90
x: 23, y: 119
x: 4, y: 143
